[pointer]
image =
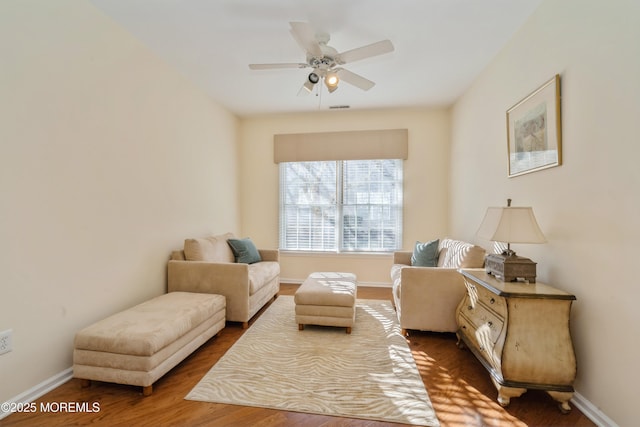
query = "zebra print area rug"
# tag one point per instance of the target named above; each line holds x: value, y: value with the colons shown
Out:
x: 369, y: 374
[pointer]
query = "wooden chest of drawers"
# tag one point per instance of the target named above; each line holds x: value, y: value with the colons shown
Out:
x: 520, y: 333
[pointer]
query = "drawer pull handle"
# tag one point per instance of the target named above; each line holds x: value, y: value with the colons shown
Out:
x: 469, y: 307
x: 490, y: 323
x: 492, y: 300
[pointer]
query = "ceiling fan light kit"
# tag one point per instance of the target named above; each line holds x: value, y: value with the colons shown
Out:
x: 331, y: 80
x: 314, y: 78
x: 307, y: 86
x: 325, y: 60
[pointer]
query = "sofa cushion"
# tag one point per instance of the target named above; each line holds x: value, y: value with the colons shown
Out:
x: 396, y: 280
x: 425, y: 254
x: 261, y: 273
x: 210, y: 249
x: 244, y: 250
x: 442, y: 255
x: 462, y: 254
x: 396, y: 271
x: 474, y: 258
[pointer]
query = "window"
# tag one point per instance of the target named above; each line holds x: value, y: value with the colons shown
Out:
x: 351, y: 205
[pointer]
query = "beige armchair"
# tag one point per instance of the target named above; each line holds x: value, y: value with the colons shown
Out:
x: 426, y: 298
x: 208, y: 266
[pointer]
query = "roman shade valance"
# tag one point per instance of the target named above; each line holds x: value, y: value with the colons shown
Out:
x: 349, y: 145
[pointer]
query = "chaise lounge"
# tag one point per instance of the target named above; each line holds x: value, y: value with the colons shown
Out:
x: 139, y: 345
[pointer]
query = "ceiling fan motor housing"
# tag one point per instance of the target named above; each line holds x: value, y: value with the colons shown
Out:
x: 324, y: 63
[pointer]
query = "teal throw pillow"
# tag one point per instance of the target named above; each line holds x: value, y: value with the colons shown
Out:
x: 244, y: 250
x: 425, y: 254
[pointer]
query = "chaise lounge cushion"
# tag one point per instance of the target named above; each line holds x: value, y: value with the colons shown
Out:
x: 145, y: 329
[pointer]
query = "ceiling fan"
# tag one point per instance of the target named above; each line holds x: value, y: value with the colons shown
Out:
x: 325, y: 61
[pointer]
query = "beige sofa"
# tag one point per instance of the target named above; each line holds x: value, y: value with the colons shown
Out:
x: 208, y: 265
x: 426, y: 298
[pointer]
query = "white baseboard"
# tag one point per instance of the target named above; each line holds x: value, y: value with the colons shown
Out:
x: 591, y: 411
x: 39, y: 390
x: 375, y: 284
x: 360, y: 283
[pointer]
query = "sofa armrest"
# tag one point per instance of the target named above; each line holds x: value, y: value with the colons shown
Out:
x: 402, y: 257
x: 228, y: 279
x: 269, y: 254
x: 208, y: 277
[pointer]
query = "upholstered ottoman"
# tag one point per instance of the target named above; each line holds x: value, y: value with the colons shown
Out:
x: 327, y: 299
x: 139, y: 345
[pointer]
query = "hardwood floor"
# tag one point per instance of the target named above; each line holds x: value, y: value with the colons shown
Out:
x: 459, y: 387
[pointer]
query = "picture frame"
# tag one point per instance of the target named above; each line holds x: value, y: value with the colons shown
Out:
x: 534, y: 130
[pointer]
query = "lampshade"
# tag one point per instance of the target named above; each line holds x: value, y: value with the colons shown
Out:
x: 511, y: 225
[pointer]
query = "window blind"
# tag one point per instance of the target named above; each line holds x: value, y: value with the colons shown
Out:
x: 350, y: 205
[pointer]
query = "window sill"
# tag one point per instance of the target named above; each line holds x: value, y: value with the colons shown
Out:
x: 286, y: 252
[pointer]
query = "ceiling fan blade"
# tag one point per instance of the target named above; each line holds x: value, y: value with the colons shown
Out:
x: 306, y: 38
x: 374, y: 49
x: 277, y: 66
x: 354, y: 79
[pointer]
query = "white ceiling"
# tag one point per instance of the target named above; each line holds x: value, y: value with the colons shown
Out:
x: 440, y: 46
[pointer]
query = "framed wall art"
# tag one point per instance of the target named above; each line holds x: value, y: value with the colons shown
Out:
x: 534, y: 134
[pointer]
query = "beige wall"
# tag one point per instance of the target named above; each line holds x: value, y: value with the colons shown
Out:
x: 425, y: 182
x: 109, y: 159
x: 589, y: 208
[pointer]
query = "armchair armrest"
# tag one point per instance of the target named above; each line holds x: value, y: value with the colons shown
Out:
x: 417, y: 279
x: 429, y: 298
x: 269, y: 254
x: 402, y: 257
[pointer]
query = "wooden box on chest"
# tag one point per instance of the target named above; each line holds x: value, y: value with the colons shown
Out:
x: 520, y: 333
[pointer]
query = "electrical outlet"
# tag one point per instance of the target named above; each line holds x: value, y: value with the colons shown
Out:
x: 6, y: 344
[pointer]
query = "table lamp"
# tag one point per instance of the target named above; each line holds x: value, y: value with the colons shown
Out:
x: 510, y: 225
